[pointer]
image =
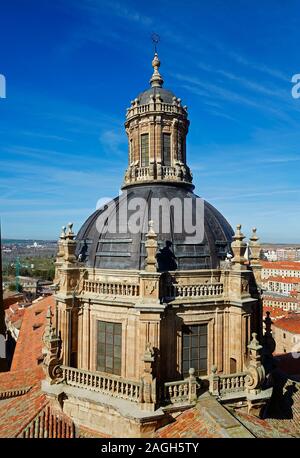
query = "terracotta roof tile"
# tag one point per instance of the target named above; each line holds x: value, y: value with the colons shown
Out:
x: 189, y: 424
x: 290, y: 323
x: 18, y: 411
x: 284, y: 265
x: 278, y: 279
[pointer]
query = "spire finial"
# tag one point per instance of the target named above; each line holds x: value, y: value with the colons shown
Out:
x: 156, y: 79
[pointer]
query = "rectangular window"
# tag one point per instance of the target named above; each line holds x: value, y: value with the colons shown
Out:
x: 144, y: 150
x: 109, y: 346
x: 166, y: 149
x: 194, y: 349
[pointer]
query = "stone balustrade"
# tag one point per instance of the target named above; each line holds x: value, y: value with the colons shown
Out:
x: 198, y: 290
x: 174, y: 290
x: 115, y: 289
x: 221, y: 385
x: 142, y: 173
x: 182, y: 391
x: 168, y: 172
x: 155, y: 106
x: 111, y: 385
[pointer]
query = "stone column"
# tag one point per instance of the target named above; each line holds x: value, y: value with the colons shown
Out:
x: 158, y: 134
x: 86, y: 337
x: 174, y: 144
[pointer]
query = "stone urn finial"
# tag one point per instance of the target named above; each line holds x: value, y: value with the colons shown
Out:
x: 238, y: 247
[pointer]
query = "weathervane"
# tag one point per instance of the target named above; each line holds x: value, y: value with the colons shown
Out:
x: 155, y: 39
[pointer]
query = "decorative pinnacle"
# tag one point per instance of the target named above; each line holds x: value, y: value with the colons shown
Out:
x: 254, y: 237
x: 156, y: 79
x: 70, y: 234
x: 254, y: 344
x: 238, y: 234
x: 63, y: 233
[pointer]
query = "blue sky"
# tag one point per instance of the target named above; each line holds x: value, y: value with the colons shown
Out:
x: 72, y: 67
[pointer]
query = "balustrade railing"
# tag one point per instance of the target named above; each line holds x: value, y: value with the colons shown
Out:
x: 115, y: 289
x: 168, y: 171
x: 102, y: 383
x: 202, y: 290
x: 229, y: 383
x: 154, y: 106
x: 183, y: 390
x: 142, y: 172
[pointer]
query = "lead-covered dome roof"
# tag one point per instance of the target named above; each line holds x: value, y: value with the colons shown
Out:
x: 125, y: 250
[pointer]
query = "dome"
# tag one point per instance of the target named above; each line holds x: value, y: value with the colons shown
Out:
x: 165, y: 95
x: 118, y: 248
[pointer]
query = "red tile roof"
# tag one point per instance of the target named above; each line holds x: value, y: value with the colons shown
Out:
x: 278, y: 279
x: 29, y: 345
x: 280, y: 299
x: 14, y: 314
x: 189, y: 424
x: 25, y: 375
x: 276, y: 312
x: 290, y: 323
x: 284, y: 265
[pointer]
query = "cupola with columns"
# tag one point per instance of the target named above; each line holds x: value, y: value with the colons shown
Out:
x: 157, y: 126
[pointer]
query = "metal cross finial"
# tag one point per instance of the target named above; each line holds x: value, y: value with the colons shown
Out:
x: 155, y: 39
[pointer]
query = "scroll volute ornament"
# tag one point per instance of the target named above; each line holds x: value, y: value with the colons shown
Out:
x: 255, y: 371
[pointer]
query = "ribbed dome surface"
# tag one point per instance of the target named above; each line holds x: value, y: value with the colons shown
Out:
x: 165, y: 95
x: 122, y: 249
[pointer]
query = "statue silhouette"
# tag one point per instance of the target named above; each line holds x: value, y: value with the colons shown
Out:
x: 83, y: 252
x: 166, y: 259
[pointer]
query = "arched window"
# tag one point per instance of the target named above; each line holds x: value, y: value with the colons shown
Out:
x: 144, y: 150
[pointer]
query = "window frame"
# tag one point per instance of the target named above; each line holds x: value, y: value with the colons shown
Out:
x: 145, y: 158
x: 169, y: 136
x: 200, y: 347
x: 107, y: 348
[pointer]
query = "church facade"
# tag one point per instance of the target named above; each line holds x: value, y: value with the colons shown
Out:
x: 148, y: 320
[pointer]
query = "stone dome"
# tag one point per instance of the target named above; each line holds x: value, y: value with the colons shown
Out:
x: 116, y: 247
x: 166, y: 96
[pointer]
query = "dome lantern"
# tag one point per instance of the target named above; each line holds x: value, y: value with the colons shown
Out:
x: 157, y: 126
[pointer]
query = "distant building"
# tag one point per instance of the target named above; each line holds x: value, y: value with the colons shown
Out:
x: 286, y: 332
x: 281, y: 285
x: 287, y: 304
x: 271, y: 255
x: 280, y: 269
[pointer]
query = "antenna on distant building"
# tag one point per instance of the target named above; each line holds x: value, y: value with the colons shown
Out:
x: 155, y: 40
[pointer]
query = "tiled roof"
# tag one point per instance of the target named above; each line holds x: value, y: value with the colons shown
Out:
x: 14, y: 314
x: 29, y: 345
x: 18, y: 410
x: 49, y: 423
x: 290, y: 323
x: 276, y: 313
x: 189, y: 424
x: 286, y: 299
x: 283, y: 265
x: 278, y: 279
